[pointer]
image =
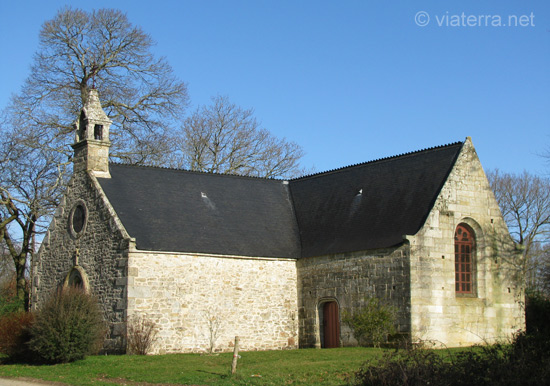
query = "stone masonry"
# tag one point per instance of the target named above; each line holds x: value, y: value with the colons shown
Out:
x: 418, y: 278
x: 438, y: 314
x: 201, y: 302
x: 99, y: 253
x: 86, y: 240
x: 349, y: 279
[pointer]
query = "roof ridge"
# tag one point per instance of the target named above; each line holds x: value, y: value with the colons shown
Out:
x: 195, y: 171
x: 378, y: 160
x: 291, y: 179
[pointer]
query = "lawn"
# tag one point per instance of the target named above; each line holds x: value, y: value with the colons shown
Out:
x: 293, y: 367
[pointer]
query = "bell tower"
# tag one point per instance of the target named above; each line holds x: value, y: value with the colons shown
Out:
x: 91, y: 147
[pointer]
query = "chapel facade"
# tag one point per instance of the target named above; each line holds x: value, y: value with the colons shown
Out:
x: 208, y: 257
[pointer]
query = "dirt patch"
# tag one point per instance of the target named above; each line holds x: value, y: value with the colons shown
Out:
x: 22, y: 381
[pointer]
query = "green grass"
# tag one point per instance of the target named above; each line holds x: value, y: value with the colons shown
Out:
x: 292, y: 367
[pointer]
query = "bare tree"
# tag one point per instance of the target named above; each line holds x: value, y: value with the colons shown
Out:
x: 79, y: 50
x: 140, y: 335
x: 524, y: 200
x: 32, y: 181
x: 213, y: 321
x: 224, y: 138
x: 542, y: 268
x: 101, y: 49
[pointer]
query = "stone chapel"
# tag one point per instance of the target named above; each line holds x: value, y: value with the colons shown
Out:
x: 277, y: 262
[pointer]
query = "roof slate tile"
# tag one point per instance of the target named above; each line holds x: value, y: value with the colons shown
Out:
x: 360, y: 207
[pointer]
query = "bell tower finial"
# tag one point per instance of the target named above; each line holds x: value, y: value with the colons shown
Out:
x: 91, y: 147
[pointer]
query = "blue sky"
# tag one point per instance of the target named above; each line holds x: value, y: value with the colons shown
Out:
x: 350, y: 81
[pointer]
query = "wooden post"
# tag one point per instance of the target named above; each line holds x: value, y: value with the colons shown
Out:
x: 235, y: 356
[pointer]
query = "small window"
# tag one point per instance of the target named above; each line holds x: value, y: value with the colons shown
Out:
x: 464, y: 259
x: 82, y: 126
x: 98, y: 132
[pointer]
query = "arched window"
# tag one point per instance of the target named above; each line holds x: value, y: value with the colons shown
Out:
x: 464, y: 259
x: 98, y: 132
x: 82, y: 126
x: 77, y: 278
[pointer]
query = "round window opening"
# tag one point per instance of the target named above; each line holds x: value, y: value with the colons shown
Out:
x: 79, y: 216
x: 78, y: 219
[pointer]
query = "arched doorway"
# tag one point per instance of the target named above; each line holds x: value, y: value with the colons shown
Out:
x: 330, y: 325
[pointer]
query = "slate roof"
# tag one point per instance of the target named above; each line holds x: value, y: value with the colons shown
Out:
x: 182, y: 211
x: 370, y: 205
x: 360, y: 207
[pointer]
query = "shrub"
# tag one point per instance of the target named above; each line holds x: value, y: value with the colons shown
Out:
x: 67, y: 327
x: 141, y: 334
x: 529, y: 358
x: 411, y: 367
x: 371, y: 324
x: 524, y: 362
x: 15, y: 334
x: 9, y: 302
x: 9, y: 305
x: 537, y: 313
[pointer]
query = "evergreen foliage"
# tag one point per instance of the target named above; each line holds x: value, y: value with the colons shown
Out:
x: 67, y: 328
x: 372, y: 323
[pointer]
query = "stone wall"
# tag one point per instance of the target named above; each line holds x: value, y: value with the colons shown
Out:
x: 349, y: 279
x: 198, y: 299
x: 98, y: 252
x: 203, y: 301
x: 494, y: 310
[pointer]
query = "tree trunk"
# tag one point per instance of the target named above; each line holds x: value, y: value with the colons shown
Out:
x: 21, y: 281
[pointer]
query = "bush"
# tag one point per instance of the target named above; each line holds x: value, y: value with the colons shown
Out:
x: 371, y: 324
x: 411, y: 367
x: 140, y: 335
x: 9, y: 302
x: 524, y: 362
x: 537, y: 313
x: 529, y: 359
x: 15, y: 334
x: 9, y: 305
x: 67, y: 328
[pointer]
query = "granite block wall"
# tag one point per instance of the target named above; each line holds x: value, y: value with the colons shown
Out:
x: 201, y: 302
x: 350, y: 279
x: 494, y: 311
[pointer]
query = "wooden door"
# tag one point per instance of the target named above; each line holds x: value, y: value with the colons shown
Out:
x: 331, y: 325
